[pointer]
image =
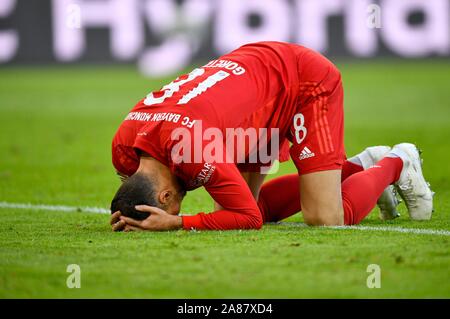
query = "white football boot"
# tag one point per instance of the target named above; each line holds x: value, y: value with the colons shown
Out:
x: 388, y: 201
x: 411, y: 185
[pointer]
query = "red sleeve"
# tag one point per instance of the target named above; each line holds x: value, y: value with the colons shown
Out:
x: 229, y: 189
x: 223, y: 181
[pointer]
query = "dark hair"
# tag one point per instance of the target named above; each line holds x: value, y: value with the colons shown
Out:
x: 137, y: 189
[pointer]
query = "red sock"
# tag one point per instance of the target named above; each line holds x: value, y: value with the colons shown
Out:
x: 361, y: 191
x: 349, y: 168
x: 280, y: 197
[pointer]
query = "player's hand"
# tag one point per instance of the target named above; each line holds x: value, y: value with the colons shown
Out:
x: 116, y: 223
x: 157, y: 221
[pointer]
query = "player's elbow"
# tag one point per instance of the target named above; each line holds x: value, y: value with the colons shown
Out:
x: 256, y: 221
x: 318, y: 221
x: 258, y: 224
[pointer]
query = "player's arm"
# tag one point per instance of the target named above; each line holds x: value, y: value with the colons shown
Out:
x: 227, y: 187
x: 239, y: 208
x: 254, y: 181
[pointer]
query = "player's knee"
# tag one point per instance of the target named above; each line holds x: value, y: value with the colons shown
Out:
x: 257, y: 222
x: 323, y: 220
x: 314, y: 221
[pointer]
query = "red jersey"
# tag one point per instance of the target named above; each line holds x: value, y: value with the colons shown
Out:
x: 257, y: 86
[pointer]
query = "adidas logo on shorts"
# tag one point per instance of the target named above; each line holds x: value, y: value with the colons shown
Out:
x: 306, y: 153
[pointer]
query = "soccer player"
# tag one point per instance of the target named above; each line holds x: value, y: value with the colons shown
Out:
x: 176, y: 140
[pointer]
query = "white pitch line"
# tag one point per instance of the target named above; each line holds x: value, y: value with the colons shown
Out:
x: 99, y: 210
x: 422, y: 231
x: 419, y: 231
x: 59, y: 208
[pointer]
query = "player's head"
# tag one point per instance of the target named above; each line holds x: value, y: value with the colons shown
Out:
x: 144, y: 188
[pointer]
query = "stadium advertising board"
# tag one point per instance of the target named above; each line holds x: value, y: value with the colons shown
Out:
x: 163, y: 36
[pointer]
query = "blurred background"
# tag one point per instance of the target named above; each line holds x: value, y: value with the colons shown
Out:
x: 71, y: 70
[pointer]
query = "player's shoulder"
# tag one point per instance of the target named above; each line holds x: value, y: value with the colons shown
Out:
x: 270, y: 46
x: 267, y: 53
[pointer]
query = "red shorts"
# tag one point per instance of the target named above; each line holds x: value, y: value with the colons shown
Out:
x: 317, y: 130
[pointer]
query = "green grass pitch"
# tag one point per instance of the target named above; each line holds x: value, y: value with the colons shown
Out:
x: 56, y: 127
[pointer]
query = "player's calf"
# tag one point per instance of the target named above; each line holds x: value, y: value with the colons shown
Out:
x: 388, y: 201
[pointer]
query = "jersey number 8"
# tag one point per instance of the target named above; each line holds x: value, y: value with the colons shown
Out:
x: 300, y: 129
